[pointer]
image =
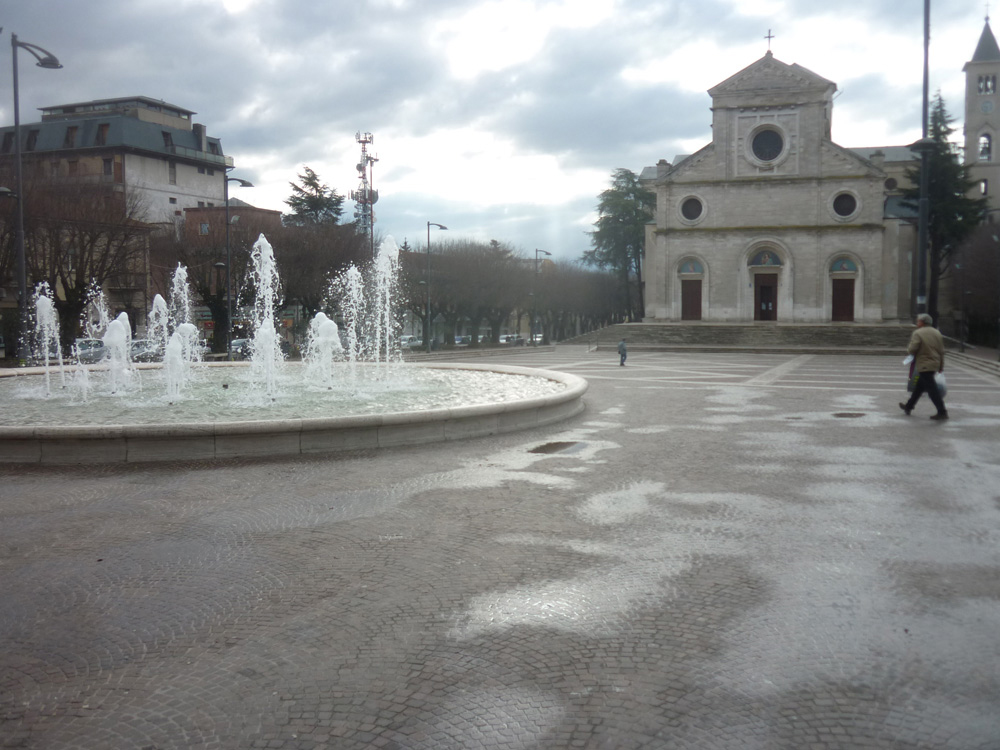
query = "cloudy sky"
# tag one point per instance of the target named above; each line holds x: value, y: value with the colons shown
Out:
x: 500, y: 119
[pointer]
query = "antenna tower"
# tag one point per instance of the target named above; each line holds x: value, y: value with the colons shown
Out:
x: 365, y: 197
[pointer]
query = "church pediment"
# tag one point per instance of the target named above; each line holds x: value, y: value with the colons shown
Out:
x: 771, y: 76
x: 837, y: 160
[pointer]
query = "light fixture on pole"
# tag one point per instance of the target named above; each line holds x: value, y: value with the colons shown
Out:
x: 45, y: 59
x: 534, y: 297
x: 229, y: 267
x: 427, y: 336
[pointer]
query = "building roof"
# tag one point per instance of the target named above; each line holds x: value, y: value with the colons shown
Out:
x: 987, y: 50
x: 122, y: 102
x: 891, y: 153
x: 116, y: 131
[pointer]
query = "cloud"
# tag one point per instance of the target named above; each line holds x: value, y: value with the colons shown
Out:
x: 509, y: 116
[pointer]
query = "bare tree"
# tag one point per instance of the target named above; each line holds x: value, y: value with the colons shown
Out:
x: 200, y: 247
x: 78, y: 234
x: 309, y: 257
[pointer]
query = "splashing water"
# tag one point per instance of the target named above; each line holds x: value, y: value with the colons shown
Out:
x: 386, y: 273
x: 323, y: 347
x: 97, y: 316
x: 158, y: 326
x: 180, y: 298
x: 266, y: 359
x: 47, y: 345
x: 353, y: 306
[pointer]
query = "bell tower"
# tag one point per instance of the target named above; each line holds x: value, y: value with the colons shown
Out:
x: 982, y: 115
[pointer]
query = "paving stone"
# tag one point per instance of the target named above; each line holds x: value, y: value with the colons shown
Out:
x: 708, y: 557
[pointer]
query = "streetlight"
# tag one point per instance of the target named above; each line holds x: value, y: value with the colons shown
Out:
x: 997, y: 241
x: 45, y: 59
x: 428, y: 335
x: 229, y: 267
x: 924, y: 146
x: 534, y: 297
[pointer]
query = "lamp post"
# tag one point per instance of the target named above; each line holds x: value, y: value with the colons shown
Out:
x: 45, y: 59
x: 923, y: 205
x: 229, y: 268
x: 534, y: 297
x: 996, y: 240
x: 428, y: 335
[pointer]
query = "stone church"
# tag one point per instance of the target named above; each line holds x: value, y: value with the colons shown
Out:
x: 773, y: 221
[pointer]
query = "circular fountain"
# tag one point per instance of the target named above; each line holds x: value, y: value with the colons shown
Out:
x: 352, y: 391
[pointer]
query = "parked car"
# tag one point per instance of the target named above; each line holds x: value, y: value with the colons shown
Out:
x: 37, y: 359
x: 240, y: 348
x: 90, y: 351
x: 146, y: 350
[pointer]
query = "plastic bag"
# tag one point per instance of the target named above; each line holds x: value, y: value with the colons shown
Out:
x: 942, y: 384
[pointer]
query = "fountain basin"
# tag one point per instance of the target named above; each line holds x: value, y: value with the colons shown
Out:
x: 134, y: 443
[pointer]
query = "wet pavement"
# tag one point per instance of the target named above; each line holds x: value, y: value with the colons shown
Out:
x: 723, y: 551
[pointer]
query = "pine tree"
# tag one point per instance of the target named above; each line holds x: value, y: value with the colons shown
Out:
x: 313, y: 202
x: 952, y: 213
x: 618, y: 242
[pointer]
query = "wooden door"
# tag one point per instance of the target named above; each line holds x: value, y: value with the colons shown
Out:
x: 690, y: 299
x: 765, y: 296
x: 843, y: 299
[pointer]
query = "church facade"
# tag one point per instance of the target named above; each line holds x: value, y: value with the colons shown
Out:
x: 772, y: 220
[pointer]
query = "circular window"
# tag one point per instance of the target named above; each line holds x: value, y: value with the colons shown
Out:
x: 845, y: 205
x: 891, y: 183
x: 691, y: 209
x: 767, y: 144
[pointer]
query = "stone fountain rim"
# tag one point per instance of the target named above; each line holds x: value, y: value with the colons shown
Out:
x: 129, y: 443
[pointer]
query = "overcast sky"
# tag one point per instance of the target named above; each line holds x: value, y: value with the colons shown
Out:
x: 502, y: 120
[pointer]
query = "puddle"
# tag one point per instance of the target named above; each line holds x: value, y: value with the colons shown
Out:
x: 848, y: 414
x: 554, y: 447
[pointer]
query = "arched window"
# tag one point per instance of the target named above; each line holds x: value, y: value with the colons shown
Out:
x: 987, y: 84
x: 985, y: 147
x: 843, y: 265
x: 765, y: 258
x: 690, y: 266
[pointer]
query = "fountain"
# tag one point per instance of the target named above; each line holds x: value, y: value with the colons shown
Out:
x: 351, y: 391
x: 47, y: 345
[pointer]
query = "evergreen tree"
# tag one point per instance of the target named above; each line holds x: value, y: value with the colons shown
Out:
x: 312, y: 202
x: 952, y: 214
x: 619, y: 239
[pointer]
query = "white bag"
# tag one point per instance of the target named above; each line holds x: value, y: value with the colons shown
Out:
x: 942, y: 384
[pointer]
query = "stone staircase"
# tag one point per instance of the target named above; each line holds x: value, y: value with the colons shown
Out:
x: 775, y: 338
x: 764, y: 337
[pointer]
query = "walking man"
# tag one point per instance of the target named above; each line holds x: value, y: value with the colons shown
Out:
x: 622, y: 352
x: 927, y: 348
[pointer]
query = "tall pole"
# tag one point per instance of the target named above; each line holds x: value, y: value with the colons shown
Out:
x: 229, y: 274
x: 428, y: 281
x: 923, y: 205
x: 22, y: 270
x: 229, y: 265
x: 45, y: 60
x: 534, y: 297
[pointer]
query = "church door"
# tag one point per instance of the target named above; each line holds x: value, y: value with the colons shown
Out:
x: 843, y: 299
x: 690, y: 299
x: 765, y: 296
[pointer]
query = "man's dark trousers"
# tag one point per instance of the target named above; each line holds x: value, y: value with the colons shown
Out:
x: 926, y: 382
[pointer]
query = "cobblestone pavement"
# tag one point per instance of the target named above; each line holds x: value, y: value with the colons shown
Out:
x: 723, y: 551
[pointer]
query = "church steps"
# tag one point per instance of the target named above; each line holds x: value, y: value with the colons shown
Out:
x: 817, y: 338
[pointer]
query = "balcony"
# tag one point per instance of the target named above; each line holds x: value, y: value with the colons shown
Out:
x: 204, y: 156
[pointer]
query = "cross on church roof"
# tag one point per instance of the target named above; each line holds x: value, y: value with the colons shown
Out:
x: 769, y: 37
